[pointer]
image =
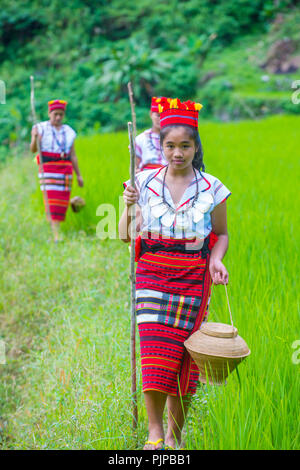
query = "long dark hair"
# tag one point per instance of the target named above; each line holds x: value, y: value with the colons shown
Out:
x: 197, y: 162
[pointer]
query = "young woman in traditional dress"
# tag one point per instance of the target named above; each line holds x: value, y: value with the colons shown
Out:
x: 181, y: 217
x: 149, y: 154
x: 59, y: 159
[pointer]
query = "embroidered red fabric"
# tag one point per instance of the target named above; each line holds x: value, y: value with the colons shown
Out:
x: 138, y: 246
x: 213, y: 238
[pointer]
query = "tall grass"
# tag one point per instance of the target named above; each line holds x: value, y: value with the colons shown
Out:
x: 65, y: 309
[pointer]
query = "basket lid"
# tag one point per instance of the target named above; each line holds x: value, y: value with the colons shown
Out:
x: 219, y: 330
x: 220, y: 340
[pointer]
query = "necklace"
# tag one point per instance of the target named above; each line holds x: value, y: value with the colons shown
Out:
x: 163, y: 189
x: 152, y: 144
x: 182, y: 217
x: 62, y: 146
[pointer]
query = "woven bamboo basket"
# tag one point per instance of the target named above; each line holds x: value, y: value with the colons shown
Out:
x: 217, y: 349
x: 77, y: 203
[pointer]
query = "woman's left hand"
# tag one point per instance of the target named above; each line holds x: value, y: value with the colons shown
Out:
x: 80, y: 181
x: 218, y: 271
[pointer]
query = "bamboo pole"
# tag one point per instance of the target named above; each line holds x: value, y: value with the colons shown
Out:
x: 131, y: 99
x: 132, y: 137
x: 41, y: 169
x: 133, y: 282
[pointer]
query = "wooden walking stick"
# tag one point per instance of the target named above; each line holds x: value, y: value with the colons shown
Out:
x: 133, y: 284
x: 41, y: 169
x: 132, y: 136
x: 131, y: 99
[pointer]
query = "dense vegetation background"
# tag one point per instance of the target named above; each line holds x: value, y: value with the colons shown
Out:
x: 86, y: 51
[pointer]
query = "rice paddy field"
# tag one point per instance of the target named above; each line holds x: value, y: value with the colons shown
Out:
x: 65, y: 309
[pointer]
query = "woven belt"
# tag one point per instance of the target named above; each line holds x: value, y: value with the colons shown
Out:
x: 55, y: 157
x: 179, y: 248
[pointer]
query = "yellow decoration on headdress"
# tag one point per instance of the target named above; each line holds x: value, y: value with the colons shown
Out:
x: 165, y: 104
x: 173, y: 104
x: 60, y: 101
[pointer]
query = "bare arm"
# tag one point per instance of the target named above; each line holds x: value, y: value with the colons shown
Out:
x: 34, y: 136
x: 74, y: 161
x: 217, y: 269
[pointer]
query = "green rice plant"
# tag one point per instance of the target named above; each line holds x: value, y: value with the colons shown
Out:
x: 104, y: 164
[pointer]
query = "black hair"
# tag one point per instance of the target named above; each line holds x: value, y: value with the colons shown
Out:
x: 197, y: 162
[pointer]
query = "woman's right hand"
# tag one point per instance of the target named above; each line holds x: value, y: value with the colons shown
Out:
x: 35, y: 134
x: 130, y: 196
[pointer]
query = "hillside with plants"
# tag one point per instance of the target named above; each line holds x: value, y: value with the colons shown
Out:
x: 218, y: 52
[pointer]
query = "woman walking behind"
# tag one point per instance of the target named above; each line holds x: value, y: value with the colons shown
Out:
x: 181, y: 217
x: 149, y: 154
x: 59, y: 159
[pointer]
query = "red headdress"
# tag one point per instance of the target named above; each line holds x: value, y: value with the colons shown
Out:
x: 154, y: 105
x: 172, y: 111
x: 57, y: 104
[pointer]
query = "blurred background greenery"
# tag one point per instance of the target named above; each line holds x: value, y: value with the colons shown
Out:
x: 237, y: 57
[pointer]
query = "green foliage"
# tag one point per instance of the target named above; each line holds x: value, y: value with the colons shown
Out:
x: 17, y: 26
x: 132, y: 60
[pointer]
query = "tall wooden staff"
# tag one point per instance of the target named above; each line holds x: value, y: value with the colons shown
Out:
x: 41, y: 169
x: 132, y: 136
x: 131, y: 99
x: 132, y: 278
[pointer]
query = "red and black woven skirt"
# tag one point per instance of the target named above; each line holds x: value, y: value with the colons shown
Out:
x: 172, y: 296
x: 56, y: 181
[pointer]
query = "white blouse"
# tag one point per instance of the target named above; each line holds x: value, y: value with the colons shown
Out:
x: 183, y: 221
x: 147, y: 148
x: 56, y: 141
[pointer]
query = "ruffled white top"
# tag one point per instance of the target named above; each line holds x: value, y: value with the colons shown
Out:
x: 190, y: 218
x: 147, y: 148
x: 56, y: 141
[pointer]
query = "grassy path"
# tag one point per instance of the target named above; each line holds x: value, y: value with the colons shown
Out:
x: 65, y: 316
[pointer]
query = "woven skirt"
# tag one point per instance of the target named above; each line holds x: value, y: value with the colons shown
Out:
x: 56, y: 180
x: 165, y: 321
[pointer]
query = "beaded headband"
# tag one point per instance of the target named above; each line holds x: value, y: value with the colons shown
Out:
x: 57, y: 104
x: 172, y: 111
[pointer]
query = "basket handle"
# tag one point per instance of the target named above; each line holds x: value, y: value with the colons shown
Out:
x: 227, y: 302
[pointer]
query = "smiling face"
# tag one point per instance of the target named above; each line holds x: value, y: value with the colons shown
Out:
x: 56, y: 117
x: 179, y: 148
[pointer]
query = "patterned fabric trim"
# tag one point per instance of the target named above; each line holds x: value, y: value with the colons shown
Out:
x: 174, y: 310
